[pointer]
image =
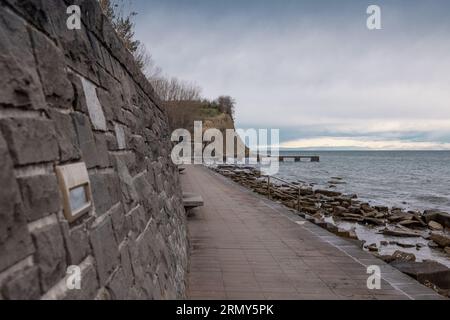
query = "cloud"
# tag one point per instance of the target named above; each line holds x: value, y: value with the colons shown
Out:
x: 314, y: 70
x: 352, y: 143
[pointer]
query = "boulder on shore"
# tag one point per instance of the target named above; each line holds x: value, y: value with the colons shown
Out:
x: 434, y: 215
x: 442, y: 240
x: 427, y: 271
x: 328, y: 193
x: 433, y: 225
x: 398, y: 256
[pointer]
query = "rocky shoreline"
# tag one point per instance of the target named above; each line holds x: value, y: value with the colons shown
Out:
x: 344, y: 215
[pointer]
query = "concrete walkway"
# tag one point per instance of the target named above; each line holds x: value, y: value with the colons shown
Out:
x: 246, y: 247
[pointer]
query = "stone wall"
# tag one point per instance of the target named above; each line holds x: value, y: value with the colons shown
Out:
x: 69, y: 96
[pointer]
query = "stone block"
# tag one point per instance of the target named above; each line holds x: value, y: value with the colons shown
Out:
x: 85, y: 139
x: 125, y: 263
x: 105, y: 191
x: 105, y: 249
x: 77, y: 242
x: 120, y: 136
x: 67, y: 136
x: 127, y: 188
x: 89, y: 285
x: 118, y: 221
x: 101, y: 151
x: 79, y: 100
x: 15, y: 241
x: 52, y: 71
x: 22, y: 285
x: 144, y: 190
x: 50, y: 254
x: 118, y: 286
x: 93, y: 104
x: 137, y: 220
x: 30, y: 140
x: 89, y: 282
x: 40, y: 196
x: 19, y: 83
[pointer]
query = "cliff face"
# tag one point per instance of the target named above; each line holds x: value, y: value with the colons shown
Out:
x: 183, y: 114
x: 77, y: 97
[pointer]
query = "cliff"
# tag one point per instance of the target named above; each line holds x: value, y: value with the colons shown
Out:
x: 182, y: 114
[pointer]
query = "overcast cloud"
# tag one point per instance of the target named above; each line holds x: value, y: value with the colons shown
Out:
x: 313, y: 70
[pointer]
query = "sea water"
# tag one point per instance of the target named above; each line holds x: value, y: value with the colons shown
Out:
x: 413, y: 180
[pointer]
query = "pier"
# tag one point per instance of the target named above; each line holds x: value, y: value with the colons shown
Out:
x: 295, y: 158
x: 299, y: 158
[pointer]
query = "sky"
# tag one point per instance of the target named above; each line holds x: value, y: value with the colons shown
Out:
x: 312, y: 68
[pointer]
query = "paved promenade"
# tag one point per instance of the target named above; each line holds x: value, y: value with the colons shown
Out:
x: 246, y: 247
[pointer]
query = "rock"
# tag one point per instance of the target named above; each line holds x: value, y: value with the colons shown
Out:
x: 398, y: 256
x: 374, y: 221
x: 339, y: 210
x: 396, y: 217
x: 104, y: 248
x: 434, y: 215
x: 52, y: 71
x: 372, y: 247
x: 351, y: 217
x: 382, y: 209
x: 41, y: 196
x: 380, y: 215
x: 430, y: 271
x: 327, y: 193
x: 405, y: 245
x: 403, y: 256
x: 335, y: 182
x: 20, y: 81
x: 411, y: 224
x: 400, y: 233
x: 350, y: 234
x: 332, y: 228
x: 433, y: 244
x: 15, y: 240
x: 23, y: 286
x: 50, y: 254
x: 435, y: 226
x: 66, y: 135
x: 384, y: 243
x: 369, y: 214
x: 30, y: 140
x: 366, y: 207
x: 447, y: 250
x: 442, y: 240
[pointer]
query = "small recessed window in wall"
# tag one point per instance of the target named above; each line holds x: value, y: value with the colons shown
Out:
x: 76, y: 190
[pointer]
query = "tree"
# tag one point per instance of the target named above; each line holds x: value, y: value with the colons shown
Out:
x: 124, y: 26
x: 226, y: 104
x: 174, y: 89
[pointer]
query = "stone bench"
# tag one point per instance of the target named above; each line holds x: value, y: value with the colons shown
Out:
x: 191, y: 201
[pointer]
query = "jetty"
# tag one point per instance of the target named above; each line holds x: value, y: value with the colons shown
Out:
x: 299, y: 158
x: 294, y: 158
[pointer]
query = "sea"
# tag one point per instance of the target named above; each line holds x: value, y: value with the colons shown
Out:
x: 412, y: 180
